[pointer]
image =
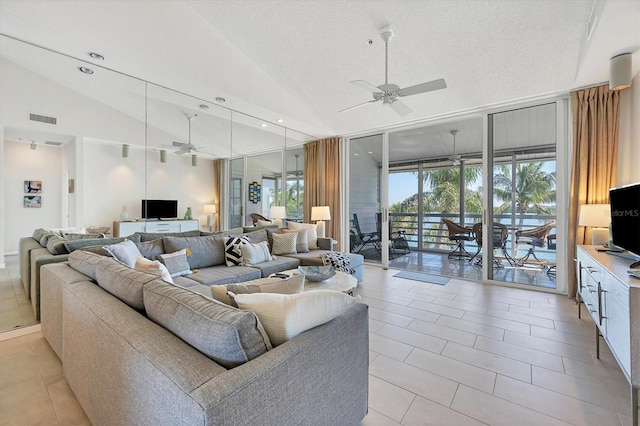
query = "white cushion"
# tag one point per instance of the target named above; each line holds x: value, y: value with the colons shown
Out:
x: 153, y: 267
x: 302, y: 246
x: 126, y: 252
x: 284, y: 316
x: 312, y: 232
x: 261, y: 222
x: 284, y: 243
x: 254, y: 254
x: 291, y: 285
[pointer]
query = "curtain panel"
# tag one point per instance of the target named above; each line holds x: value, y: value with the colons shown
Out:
x: 595, y: 121
x: 331, y: 185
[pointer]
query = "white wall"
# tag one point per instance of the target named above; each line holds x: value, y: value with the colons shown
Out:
x: 111, y: 182
x: 22, y: 163
x: 629, y: 143
x: 364, y: 190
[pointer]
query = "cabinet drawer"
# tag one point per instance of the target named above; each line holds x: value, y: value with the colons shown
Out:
x: 617, y: 319
x: 162, y: 227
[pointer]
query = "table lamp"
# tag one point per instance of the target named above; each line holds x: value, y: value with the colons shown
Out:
x: 278, y: 213
x: 210, y: 210
x: 320, y: 214
x: 598, y: 217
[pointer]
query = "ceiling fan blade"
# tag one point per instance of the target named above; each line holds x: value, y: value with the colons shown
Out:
x: 359, y: 105
x: 181, y: 151
x: 179, y: 144
x: 423, y: 87
x: 368, y: 86
x: 400, y: 108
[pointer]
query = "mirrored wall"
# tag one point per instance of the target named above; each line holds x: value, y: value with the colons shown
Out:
x: 100, y: 142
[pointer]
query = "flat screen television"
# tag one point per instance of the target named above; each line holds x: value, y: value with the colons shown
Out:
x: 159, y: 209
x: 625, y: 219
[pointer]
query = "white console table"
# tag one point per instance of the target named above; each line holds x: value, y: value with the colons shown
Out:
x: 612, y: 298
x: 121, y: 228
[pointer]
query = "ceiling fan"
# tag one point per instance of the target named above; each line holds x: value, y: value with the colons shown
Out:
x: 389, y: 93
x: 186, y: 148
x: 455, y: 159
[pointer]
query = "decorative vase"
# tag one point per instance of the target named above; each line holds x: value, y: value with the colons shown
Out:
x: 124, y: 214
x: 188, y: 215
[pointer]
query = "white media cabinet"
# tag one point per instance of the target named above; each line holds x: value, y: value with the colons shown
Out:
x: 124, y: 228
x: 612, y: 298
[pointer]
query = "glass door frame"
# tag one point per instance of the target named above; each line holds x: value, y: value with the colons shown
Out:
x: 563, y: 148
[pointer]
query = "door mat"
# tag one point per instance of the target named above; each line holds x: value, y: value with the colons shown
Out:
x: 426, y: 278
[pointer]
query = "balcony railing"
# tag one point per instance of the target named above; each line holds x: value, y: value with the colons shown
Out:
x: 434, y: 237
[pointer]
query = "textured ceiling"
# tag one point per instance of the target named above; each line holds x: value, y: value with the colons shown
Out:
x: 295, y: 59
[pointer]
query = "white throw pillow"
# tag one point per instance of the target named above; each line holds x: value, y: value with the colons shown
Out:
x: 125, y: 251
x: 253, y: 254
x: 291, y: 285
x: 312, y: 232
x: 284, y: 316
x: 153, y: 267
x: 284, y: 243
x: 302, y: 246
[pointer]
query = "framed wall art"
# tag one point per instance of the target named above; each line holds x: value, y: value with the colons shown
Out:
x: 32, y: 186
x: 32, y: 201
x: 254, y: 192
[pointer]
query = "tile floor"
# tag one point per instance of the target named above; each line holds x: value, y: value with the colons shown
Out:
x: 459, y: 354
x: 15, y: 307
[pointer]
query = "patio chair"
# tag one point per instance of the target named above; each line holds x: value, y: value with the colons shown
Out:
x: 366, y: 238
x: 551, y: 245
x: 459, y: 234
x: 257, y: 216
x: 536, y: 237
x: 398, y: 243
x: 500, y: 235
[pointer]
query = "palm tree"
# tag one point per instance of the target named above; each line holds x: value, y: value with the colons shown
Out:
x: 535, y: 189
x: 445, y: 189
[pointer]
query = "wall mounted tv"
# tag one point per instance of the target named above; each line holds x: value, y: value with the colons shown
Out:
x: 625, y: 219
x: 159, y: 209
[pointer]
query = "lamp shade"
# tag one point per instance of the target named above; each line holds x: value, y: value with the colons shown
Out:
x: 209, y: 208
x: 320, y: 213
x: 278, y: 212
x: 595, y: 215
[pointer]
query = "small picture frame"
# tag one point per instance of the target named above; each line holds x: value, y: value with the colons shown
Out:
x: 32, y: 201
x: 33, y: 187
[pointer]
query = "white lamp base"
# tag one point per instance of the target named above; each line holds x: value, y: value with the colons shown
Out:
x: 599, y: 236
x: 320, y: 228
x: 278, y: 222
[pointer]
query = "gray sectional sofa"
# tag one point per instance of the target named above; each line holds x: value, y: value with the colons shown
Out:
x: 208, y: 256
x: 126, y: 368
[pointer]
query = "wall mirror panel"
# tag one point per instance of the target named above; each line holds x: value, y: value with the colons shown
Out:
x: 184, y: 136
x: 62, y: 128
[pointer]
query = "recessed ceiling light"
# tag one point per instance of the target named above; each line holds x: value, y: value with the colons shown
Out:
x: 204, y: 106
x: 86, y: 70
x: 96, y: 56
x: 356, y: 154
x: 280, y: 120
x: 264, y: 124
x: 220, y: 99
x: 369, y: 152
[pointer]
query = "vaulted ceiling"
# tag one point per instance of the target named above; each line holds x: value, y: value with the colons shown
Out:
x: 294, y: 60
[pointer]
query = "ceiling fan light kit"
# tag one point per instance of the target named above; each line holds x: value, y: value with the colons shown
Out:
x: 388, y: 93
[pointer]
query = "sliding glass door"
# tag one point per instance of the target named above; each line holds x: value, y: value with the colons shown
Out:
x: 493, y: 177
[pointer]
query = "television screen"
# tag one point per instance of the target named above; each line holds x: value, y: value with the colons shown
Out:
x: 159, y: 209
x: 625, y: 217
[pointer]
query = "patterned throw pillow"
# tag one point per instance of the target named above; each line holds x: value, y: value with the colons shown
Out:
x: 302, y: 246
x: 232, y: 251
x: 284, y: 243
x: 339, y: 261
x: 176, y: 263
x: 253, y: 254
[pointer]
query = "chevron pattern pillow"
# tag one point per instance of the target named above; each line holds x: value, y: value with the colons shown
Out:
x: 232, y: 251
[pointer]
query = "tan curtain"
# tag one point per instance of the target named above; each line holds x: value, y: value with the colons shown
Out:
x: 311, y: 178
x: 217, y: 190
x: 331, y: 185
x: 595, y: 115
